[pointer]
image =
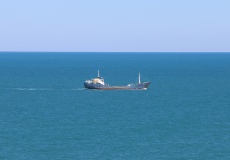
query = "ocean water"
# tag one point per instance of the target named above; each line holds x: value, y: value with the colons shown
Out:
x: 45, y: 113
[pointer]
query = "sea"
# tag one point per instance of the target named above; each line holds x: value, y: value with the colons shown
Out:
x: 46, y: 113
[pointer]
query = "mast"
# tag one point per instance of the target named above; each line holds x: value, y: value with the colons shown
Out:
x: 98, y: 74
x: 139, y: 78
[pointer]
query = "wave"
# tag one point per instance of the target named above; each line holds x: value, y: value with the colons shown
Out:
x: 76, y: 89
x: 30, y: 89
x: 44, y: 89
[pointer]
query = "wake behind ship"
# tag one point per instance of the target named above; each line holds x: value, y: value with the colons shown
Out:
x: 98, y: 83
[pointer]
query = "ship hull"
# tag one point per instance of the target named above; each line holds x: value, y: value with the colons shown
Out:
x: 142, y: 86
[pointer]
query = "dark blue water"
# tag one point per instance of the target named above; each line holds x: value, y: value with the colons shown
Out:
x: 45, y: 113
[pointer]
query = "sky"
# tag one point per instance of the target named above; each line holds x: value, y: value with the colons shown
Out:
x: 115, y: 25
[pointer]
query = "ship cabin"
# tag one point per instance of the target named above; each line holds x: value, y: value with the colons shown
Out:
x: 98, y: 80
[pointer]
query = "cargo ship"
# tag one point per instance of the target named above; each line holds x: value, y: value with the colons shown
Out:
x: 99, y: 83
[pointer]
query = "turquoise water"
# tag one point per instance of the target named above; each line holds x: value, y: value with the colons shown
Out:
x: 45, y: 113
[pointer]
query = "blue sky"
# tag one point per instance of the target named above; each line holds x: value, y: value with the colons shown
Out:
x: 115, y: 25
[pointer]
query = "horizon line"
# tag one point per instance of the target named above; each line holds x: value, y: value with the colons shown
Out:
x: 114, y: 51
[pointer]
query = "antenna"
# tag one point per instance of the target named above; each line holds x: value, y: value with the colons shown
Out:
x: 139, y: 78
x: 98, y: 74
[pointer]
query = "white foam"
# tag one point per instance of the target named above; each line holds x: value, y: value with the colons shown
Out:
x: 31, y: 89
x: 76, y: 89
x: 44, y: 89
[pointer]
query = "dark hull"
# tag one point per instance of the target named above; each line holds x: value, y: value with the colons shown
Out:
x: 142, y: 86
x: 120, y: 88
